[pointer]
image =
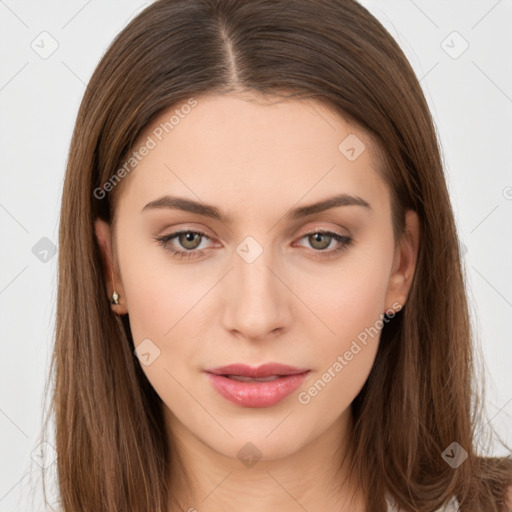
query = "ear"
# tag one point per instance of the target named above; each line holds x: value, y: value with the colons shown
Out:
x: 104, y: 236
x: 404, y: 263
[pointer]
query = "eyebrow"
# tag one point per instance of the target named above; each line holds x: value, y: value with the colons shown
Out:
x: 188, y: 205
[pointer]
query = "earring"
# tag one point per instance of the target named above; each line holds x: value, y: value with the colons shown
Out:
x: 115, y: 297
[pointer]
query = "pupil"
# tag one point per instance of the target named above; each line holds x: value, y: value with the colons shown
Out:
x: 189, y: 238
x: 318, y: 238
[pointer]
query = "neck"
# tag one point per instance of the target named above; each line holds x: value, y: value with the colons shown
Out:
x: 313, y: 478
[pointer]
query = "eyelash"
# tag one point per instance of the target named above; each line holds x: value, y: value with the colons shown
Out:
x: 164, y: 240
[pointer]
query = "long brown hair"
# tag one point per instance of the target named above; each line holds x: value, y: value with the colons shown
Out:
x: 422, y: 393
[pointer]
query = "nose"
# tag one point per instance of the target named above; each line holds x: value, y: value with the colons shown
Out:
x: 256, y: 297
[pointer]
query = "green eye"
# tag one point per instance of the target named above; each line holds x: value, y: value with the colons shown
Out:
x: 190, y: 240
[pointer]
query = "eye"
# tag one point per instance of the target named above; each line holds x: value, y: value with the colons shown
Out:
x: 188, y: 240
x: 321, y: 240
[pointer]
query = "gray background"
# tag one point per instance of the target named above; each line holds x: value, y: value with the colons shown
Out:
x: 469, y: 92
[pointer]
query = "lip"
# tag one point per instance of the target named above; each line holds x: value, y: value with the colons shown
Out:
x: 265, y: 370
x: 256, y: 394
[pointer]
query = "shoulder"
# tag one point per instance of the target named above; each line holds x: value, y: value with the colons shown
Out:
x: 451, y: 506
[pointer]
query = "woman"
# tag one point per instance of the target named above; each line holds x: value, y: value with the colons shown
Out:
x: 261, y: 304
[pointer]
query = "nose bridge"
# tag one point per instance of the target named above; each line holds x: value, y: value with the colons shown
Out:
x: 256, y: 303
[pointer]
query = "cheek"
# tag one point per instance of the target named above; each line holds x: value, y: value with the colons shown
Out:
x: 161, y: 309
x: 164, y: 307
x: 158, y: 294
x: 347, y: 298
x: 351, y: 303
x: 332, y: 388
x: 344, y: 359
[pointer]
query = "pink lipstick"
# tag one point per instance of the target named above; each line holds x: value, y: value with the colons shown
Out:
x: 261, y: 386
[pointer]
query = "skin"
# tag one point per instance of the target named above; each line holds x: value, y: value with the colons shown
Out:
x: 256, y: 160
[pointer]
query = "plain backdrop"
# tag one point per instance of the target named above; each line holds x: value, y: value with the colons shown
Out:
x: 460, y: 50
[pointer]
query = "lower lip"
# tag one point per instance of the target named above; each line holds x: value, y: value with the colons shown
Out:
x: 256, y: 394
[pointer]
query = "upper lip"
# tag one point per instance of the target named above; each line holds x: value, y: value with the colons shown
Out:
x: 265, y: 370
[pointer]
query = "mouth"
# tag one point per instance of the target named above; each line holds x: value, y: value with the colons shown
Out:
x: 252, y: 379
x: 259, y: 372
x: 263, y: 386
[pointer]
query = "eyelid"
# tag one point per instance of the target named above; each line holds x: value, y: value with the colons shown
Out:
x: 316, y: 229
x: 344, y: 241
x: 302, y: 233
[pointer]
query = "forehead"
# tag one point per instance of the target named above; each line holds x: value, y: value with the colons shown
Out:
x: 251, y: 152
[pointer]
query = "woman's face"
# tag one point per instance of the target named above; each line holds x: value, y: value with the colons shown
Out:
x: 262, y: 285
